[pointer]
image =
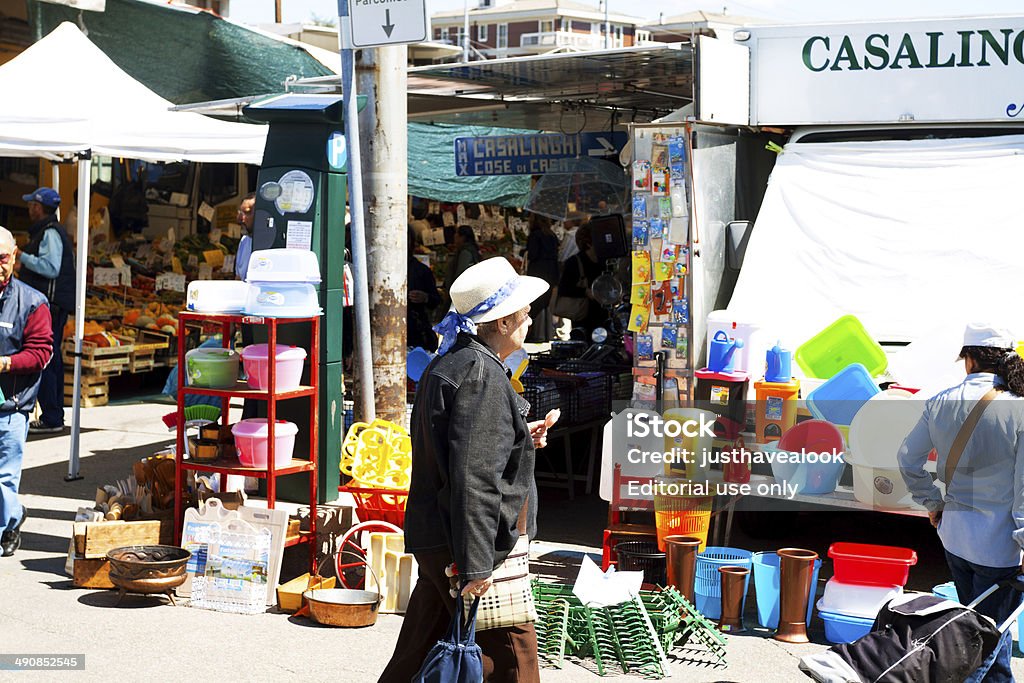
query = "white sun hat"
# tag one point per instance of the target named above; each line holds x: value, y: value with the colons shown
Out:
x: 986, y: 335
x: 486, y: 291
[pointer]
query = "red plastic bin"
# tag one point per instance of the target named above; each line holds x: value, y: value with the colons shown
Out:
x: 379, y: 505
x: 872, y: 565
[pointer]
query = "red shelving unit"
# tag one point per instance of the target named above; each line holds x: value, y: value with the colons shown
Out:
x: 230, y: 466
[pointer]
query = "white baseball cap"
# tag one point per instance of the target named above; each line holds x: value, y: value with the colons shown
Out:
x: 984, y: 334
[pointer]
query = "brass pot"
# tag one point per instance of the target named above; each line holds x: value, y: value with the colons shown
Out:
x: 343, y: 607
x: 682, y: 563
x: 796, y: 569
x: 733, y: 583
x: 148, y: 568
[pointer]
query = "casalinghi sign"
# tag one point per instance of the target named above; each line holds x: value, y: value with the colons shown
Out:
x: 927, y: 50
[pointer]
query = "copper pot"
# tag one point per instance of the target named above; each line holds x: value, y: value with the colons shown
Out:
x: 682, y: 563
x: 342, y: 606
x: 148, y: 569
x: 796, y: 569
x: 733, y: 583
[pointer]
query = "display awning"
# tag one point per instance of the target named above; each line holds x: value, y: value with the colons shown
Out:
x: 184, y: 54
x: 551, y: 92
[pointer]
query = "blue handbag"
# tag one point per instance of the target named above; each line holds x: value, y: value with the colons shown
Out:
x: 456, y: 658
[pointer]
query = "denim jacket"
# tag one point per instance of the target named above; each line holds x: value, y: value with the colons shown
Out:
x: 472, y: 461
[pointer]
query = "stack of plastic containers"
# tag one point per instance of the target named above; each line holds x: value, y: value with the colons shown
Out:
x: 866, y: 577
x: 283, y: 284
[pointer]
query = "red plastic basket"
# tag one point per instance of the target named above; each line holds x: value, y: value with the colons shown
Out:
x: 873, y: 565
x: 383, y: 505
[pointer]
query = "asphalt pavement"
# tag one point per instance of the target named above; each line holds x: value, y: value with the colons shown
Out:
x: 145, y: 638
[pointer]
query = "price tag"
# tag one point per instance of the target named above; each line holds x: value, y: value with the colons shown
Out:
x: 229, y: 264
x: 193, y: 260
x: 117, y: 260
x: 171, y: 281
x: 126, y: 275
x: 106, y: 276
x: 205, y: 271
x: 215, y: 235
x: 206, y: 211
x: 176, y: 264
x: 214, y: 257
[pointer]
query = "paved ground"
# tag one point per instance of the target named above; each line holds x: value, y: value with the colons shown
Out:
x: 40, y: 612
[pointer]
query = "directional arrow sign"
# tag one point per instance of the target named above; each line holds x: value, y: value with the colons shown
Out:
x: 386, y: 22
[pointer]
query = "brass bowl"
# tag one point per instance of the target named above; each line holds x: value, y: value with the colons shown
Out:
x: 148, y: 568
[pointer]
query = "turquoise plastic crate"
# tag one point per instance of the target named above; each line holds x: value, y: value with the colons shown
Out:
x: 839, y: 345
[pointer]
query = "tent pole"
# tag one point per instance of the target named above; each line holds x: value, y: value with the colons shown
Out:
x: 55, y: 173
x: 84, y: 176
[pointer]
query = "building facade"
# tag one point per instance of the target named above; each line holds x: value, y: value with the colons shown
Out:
x: 516, y: 28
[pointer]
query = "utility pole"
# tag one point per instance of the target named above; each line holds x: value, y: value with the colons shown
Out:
x: 277, y: 11
x: 381, y: 75
x: 465, y: 31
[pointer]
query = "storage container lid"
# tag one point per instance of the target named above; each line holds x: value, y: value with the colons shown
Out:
x: 283, y: 265
x: 211, y: 353
x: 282, y: 352
x: 258, y: 427
x: 856, y: 600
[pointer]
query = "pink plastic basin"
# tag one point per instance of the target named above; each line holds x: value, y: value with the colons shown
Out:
x: 289, y: 361
x: 252, y: 437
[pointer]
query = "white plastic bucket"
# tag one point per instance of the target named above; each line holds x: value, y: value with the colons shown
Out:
x: 283, y: 265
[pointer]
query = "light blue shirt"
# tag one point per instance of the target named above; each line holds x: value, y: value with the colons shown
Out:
x: 47, y: 261
x: 242, y: 256
x: 983, y: 509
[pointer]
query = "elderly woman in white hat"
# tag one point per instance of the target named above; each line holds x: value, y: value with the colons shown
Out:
x: 977, y: 429
x: 473, y: 500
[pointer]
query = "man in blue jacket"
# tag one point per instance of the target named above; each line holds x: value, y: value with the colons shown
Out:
x: 48, y: 265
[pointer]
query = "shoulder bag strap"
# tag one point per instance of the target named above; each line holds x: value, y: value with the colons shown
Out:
x: 964, y: 435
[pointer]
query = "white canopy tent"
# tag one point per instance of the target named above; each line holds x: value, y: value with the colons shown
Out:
x: 66, y: 98
x: 914, y: 237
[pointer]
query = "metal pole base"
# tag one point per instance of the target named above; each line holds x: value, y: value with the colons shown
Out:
x: 77, y: 477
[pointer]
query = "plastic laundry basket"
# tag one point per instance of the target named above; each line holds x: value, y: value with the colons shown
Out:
x: 767, y: 588
x: 682, y: 516
x: 642, y: 556
x: 707, y: 588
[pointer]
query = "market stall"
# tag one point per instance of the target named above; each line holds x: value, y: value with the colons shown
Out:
x: 129, y: 121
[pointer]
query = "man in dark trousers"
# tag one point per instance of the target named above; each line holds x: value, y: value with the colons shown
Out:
x: 26, y: 343
x: 48, y: 265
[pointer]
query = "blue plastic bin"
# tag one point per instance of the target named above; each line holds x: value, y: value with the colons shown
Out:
x: 839, y: 399
x: 840, y: 628
x: 767, y: 591
x: 707, y: 585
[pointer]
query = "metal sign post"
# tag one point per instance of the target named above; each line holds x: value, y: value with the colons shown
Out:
x: 361, y: 301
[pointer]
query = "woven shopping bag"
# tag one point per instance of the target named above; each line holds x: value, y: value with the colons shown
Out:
x: 456, y: 658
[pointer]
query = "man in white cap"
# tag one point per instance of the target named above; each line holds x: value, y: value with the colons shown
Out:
x: 473, y: 493
x: 977, y: 430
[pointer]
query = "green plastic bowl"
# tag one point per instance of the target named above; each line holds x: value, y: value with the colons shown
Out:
x: 212, y: 368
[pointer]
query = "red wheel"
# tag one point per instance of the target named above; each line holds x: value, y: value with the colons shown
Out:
x: 351, y: 546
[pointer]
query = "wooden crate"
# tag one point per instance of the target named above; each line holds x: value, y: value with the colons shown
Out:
x: 94, y: 539
x: 142, y: 360
x: 108, y: 360
x: 95, y: 389
x: 91, y: 573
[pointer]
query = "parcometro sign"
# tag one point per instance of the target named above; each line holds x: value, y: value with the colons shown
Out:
x: 962, y: 70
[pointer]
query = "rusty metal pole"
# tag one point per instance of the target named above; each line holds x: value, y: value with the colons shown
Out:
x: 381, y: 74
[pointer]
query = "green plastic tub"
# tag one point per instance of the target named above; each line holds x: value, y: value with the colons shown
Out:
x: 212, y: 368
x: 838, y: 346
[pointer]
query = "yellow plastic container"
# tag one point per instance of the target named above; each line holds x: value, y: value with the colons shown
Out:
x: 775, y: 408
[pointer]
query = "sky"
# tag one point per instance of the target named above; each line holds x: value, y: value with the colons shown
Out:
x: 778, y: 11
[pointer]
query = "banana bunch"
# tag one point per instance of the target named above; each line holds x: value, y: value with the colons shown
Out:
x: 377, y: 455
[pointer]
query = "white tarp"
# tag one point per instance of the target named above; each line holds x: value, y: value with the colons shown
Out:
x: 912, y: 237
x: 64, y: 95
